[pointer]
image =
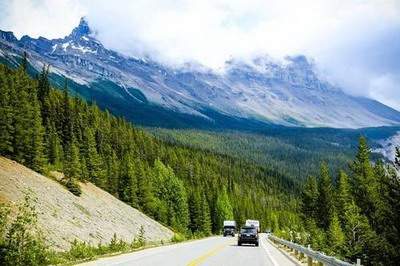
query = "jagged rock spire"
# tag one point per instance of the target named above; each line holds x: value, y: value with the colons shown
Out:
x: 82, y: 29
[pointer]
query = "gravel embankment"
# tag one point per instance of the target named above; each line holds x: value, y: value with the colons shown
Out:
x: 93, y: 217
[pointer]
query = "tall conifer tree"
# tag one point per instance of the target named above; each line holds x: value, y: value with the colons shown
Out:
x: 6, y: 113
x: 325, y: 197
x: 310, y: 198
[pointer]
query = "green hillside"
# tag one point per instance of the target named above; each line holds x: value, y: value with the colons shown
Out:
x: 186, y: 188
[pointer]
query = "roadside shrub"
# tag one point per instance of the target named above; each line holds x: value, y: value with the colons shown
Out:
x: 140, y: 240
x: 178, y: 238
x: 101, y: 249
x: 21, y: 241
x: 80, y: 250
x: 117, y: 244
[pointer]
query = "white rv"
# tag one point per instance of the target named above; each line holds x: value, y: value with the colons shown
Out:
x: 229, y: 228
x: 255, y: 223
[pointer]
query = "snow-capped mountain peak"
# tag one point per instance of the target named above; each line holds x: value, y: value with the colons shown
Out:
x: 265, y: 90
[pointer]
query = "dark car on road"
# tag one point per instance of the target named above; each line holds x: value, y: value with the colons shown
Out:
x: 229, y: 230
x: 248, y: 235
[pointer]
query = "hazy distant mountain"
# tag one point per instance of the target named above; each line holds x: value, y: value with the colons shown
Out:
x: 262, y: 91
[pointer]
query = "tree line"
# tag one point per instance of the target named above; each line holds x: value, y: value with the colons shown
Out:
x: 188, y: 189
x: 357, y: 214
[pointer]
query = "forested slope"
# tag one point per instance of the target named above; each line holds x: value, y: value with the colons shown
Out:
x: 294, y: 152
x: 284, y: 154
x: 188, y: 189
x: 356, y: 213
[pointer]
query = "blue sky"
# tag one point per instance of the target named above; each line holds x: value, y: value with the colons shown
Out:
x: 355, y: 44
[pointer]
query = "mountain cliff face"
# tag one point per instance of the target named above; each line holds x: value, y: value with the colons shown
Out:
x: 260, y: 92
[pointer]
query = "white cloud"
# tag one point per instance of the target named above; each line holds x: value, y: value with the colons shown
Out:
x: 355, y: 43
x: 47, y: 18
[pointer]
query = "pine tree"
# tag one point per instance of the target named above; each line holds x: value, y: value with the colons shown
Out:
x: 274, y: 223
x: 84, y: 174
x: 21, y: 117
x: 361, y: 240
x: 362, y: 179
x: 336, y: 236
x: 195, y: 211
x: 389, y: 212
x: 54, y: 147
x: 172, y: 195
x: 43, y: 85
x: 127, y: 185
x: 112, y: 175
x: 224, y: 209
x: 43, y: 92
x: 93, y: 159
x: 72, y: 164
x: 369, y: 185
x: 144, y: 192
x: 6, y: 113
x: 28, y: 143
x: 343, y: 194
x: 36, y: 157
x: 379, y: 196
x: 310, y: 198
x: 317, y: 237
x: 67, y: 121
x: 205, y: 218
x: 325, y: 198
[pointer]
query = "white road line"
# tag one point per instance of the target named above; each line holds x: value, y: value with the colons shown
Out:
x: 268, y: 253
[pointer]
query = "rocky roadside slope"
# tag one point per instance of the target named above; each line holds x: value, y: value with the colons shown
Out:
x: 93, y: 217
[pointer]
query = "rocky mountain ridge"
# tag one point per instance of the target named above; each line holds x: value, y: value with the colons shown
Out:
x: 286, y: 93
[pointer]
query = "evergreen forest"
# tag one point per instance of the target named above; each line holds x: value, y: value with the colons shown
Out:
x: 187, y: 189
x: 350, y: 213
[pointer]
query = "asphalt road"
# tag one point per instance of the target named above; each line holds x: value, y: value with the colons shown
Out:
x: 213, y: 251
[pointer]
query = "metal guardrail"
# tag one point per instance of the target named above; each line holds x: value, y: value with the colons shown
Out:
x: 312, y: 254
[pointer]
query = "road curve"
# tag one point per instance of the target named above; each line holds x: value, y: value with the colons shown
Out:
x: 212, y: 251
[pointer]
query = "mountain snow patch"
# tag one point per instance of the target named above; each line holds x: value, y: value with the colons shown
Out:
x: 65, y: 45
x: 83, y: 49
x: 54, y: 47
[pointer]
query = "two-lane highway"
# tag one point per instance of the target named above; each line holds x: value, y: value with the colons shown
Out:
x: 218, y: 251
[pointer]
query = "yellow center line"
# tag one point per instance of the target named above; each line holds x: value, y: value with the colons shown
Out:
x: 205, y: 256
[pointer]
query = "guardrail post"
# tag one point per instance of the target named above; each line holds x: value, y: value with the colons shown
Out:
x: 309, y: 261
x: 301, y: 256
x: 309, y: 258
x: 358, y: 262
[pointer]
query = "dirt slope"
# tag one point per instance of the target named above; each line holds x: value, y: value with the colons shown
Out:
x: 93, y: 217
